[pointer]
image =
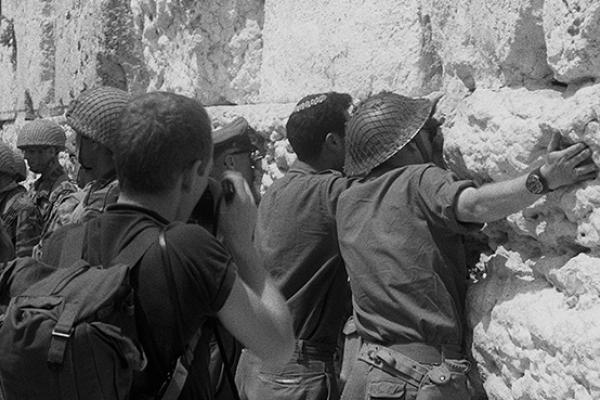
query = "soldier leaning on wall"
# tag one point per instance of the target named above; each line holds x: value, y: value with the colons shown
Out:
x: 296, y: 236
x: 400, y: 232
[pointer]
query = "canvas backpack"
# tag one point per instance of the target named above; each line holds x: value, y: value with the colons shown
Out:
x: 72, y: 335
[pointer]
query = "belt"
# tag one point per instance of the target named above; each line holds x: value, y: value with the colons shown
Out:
x: 395, y: 363
x: 315, y: 350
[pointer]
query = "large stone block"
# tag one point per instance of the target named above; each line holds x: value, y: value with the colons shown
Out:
x: 346, y: 45
x: 489, y: 44
x: 573, y: 38
x: 534, y: 316
x: 536, y: 329
x: 65, y: 46
x: 210, y: 50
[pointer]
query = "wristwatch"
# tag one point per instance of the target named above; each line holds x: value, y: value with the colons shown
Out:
x: 536, y: 183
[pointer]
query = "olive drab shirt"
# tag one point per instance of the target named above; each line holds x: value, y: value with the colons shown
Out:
x: 21, y: 219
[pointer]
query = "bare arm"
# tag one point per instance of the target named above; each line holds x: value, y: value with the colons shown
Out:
x: 497, y: 200
x: 255, y: 311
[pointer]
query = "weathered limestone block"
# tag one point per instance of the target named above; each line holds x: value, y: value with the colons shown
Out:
x: 210, y: 50
x: 573, y: 38
x: 8, y: 67
x: 64, y: 46
x: 536, y: 337
x: 489, y: 44
x: 535, y: 316
x: 346, y: 45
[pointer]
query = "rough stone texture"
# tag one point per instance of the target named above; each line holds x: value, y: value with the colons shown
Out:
x: 573, y: 38
x: 346, y: 45
x: 535, y: 315
x: 489, y: 44
x: 210, y: 50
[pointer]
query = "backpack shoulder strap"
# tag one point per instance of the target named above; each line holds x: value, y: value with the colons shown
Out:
x: 135, y: 250
x: 72, y: 248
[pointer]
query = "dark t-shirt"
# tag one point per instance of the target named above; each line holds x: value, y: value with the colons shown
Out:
x: 204, y: 274
x: 297, y: 238
x: 405, y: 257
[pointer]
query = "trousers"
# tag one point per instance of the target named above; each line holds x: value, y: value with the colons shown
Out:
x: 382, y: 373
x: 304, y: 377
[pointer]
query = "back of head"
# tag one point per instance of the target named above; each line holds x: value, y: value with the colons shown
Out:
x: 381, y: 126
x: 41, y: 132
x: 314, y: 117
x: 161, y: 134
x: 95, y: 114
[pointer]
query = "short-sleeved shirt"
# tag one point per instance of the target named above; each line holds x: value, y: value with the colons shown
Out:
x: 204, y: 275
x: 404, y: 252
x: 296, y: 236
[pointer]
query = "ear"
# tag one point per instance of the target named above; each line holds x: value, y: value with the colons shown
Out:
x: 334, y: 141
x: 229, y: 162
x: 188, y: 176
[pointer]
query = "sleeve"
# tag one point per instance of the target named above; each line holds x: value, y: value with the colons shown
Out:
x: 28, y: 230
x: 438, y: 191
x: 208, y: 269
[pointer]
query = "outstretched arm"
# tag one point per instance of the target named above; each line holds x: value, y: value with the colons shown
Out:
x: 255, y: 311
x: 494, y: 201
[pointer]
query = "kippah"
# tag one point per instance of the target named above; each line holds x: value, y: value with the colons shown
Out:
x: 310, y: 103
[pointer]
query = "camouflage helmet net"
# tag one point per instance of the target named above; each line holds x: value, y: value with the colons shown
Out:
x: 7, y: 162
x: 95, y: 114
x: 41, y: 132
x: 381, y: 126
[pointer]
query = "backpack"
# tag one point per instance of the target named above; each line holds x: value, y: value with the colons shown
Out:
x: 71, y: 335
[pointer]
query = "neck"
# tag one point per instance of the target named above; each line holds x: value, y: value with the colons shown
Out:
x: 323, y: 163
x: 163, y: 204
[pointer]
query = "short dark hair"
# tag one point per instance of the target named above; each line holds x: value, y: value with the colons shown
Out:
x: 161, y: 134
x: 315, y: 116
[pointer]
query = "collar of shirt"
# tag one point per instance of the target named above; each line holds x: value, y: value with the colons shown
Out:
x: 304, y: 168
x: 119, y: 207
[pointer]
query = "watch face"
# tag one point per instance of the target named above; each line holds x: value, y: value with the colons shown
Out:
x: 534, y: 184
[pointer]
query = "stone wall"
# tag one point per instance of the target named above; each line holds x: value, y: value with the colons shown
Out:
x: 512, y: 73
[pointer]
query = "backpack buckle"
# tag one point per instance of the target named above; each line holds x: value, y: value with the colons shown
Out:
x: 64, y: 335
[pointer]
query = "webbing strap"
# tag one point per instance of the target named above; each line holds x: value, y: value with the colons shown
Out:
x: 61, y: 333
x: 72, y: 248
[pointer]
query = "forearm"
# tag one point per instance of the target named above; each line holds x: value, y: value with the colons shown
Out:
x: 493, y: 201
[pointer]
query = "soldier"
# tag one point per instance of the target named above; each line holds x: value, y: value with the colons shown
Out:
x: 20, y: 217
x: 400, y: 233
x: 233, y: 151
x: 296, y: 237
x: 41, y: 141
x: 94, y: 118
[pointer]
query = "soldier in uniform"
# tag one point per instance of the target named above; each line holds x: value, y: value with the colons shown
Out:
x: 21, y: 219
x: 41, y: 141
x: 94, y: 118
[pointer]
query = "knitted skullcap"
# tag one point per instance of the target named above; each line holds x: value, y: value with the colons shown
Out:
x: 7, y: 163
x: 95, y: 114
x: 20, y: 167
x: 41, y: 132
x: 381, y: 126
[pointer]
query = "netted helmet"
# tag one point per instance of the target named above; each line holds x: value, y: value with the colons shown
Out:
x: 20, y: 166
x: 381, y: 126
x: 7, y: 162
x: 95, y: 114
x: 41, y: 132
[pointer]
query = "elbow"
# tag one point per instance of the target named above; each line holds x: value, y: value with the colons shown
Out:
x: 470, y: 208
